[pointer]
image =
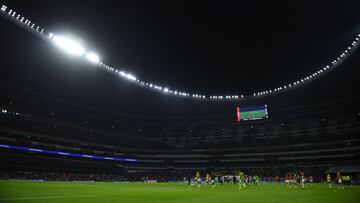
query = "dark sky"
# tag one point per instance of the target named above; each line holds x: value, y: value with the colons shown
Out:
x: 210, y: 47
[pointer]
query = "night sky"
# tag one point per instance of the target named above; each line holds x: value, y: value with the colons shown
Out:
x: 209, y: 47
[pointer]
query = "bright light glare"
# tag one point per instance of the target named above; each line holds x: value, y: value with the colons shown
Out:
x: 93, y: 57
x: 129, y: 76
x: 69, y: 46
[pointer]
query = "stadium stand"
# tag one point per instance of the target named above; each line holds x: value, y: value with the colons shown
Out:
x: 316, y: 139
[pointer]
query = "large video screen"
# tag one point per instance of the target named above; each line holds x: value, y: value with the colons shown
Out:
x: 251, y: 113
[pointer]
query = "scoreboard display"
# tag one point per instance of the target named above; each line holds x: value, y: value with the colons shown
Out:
x: 251, y: 113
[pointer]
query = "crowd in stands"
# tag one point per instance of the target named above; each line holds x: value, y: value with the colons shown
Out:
x: 265, y: 174
x: 57, y: 176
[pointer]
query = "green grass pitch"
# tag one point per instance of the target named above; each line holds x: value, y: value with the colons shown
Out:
x: 30, y: 191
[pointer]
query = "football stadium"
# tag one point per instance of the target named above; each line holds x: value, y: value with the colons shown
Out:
x: 180, y: 101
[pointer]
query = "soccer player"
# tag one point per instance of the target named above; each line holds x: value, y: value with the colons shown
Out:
x: 288, y: 179
x: 213, y: 182
x: 198, y: 179
x: 292, y: 179
x: 189, y: 180
x: 255, y: 180
x: 222, y: 180
x: 311, y: 180
x: 242, y: 180
x: 302, y: 179
x: 328, y: 180
x: 207, y: 179
x: 339, y: 180
x: 234, y: 180
x: 295, y: 180
x: 247, y: 180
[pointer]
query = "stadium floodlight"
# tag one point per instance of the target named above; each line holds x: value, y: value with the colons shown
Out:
x: 68, y: 45
x: 131, y: 77
x: 74, y: 47
x: 128, y: 76
x: 93, y: 57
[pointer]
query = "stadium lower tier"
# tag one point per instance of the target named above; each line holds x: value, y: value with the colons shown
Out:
x: 32, y: 165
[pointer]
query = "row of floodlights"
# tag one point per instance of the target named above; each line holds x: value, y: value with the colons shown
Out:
x: 7, y: 112
x: 75, y: 48
x: 22, y: 19
x: 68, y: 45
x: 316, y: 73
